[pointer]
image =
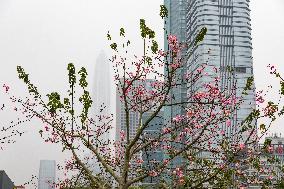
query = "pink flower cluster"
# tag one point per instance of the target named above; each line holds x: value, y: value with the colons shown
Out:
x: 179, y: 173
x: 173, y: 43
x: 166, y: 130
x: 153, y: 173
x: 6, y: 88
x: 177, y: 119
x: 122, y: 135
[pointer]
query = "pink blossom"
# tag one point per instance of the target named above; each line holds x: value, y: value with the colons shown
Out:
x: 153, y: 173
x: 270, y: 149
x: 139, y: 161
x: 228, y: 123
x: 122, y: 134
x: 181, y: 181
x: 242, y: 146
x: 162, y: 53
x: 260, y: 100
x: 166, y: 161
x: 178, y: 172
x: 227, y: 112
x: 166, y: 130
x: 173, y: 43
x: 177, y: 119
x: 6, y: 88
x: 46, y: 128
x: 172, y: 39
x: 174, y: 65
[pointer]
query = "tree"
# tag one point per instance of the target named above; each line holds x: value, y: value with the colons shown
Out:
x: 212, y: 157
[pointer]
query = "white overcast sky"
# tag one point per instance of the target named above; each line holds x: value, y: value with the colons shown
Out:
x: 45, y: 35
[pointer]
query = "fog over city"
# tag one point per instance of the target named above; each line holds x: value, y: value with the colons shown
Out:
x: 44, y: 36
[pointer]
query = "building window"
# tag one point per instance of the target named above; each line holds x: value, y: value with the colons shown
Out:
x: 241, y: 69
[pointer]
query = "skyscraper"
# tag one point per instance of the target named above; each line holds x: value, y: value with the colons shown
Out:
x: 148, y: 155
x: 133, y: 116
x: 102, y: 92
x: 227, y: 46
x: 5, y: 181
x: 47, y: 174
x: 102, y: 105
x: 175, y: 24
x: 228, y: 40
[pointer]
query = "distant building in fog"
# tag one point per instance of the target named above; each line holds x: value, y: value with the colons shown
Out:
x: 149, y: 155
x: 47, y: 174
x: 5, y: 181
x: 101, y: 99
x: 102, y: 90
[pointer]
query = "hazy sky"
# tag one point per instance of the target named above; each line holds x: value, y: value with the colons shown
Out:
x: 45, y: 35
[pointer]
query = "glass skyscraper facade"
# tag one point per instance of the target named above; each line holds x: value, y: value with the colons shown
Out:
x: 148, y: 155
x: 226, y: 46
x: 175, y: 24
x: 47, y: 174
x: 152, y: 155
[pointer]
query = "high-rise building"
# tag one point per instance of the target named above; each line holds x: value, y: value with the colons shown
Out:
x: 273, y: 149
x: 5, y: 181
x: 47, y: 174
x: 133, y: 116
x: 152, y: 155
x: 121, y: 117
x: 102, y: 104
x: 154, y: 128
x: 226, y: 46
x: 175, y: 24
x: 102, y: 90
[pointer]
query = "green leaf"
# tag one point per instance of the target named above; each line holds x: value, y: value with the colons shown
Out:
x: 71, y: 74
x: 86, y: 100
x: 200, y: 36
x: 54, y: 102
x: 143, y: 28
x: 22, y: 74
x: 249, y: 85
x: 128, y: 42
x: 146, y: 31
x: 163, y: 11
x: 154, y: 46
x: 262, y: 126
x: 151, y: 33
x: 40, y: 132
x: 25, y: 77
x: 108, y: 36
x: 149, y: 60
x: 122, y: 32
x: 83, y: 73
x: 113, y: 46
x: 282, y: 87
